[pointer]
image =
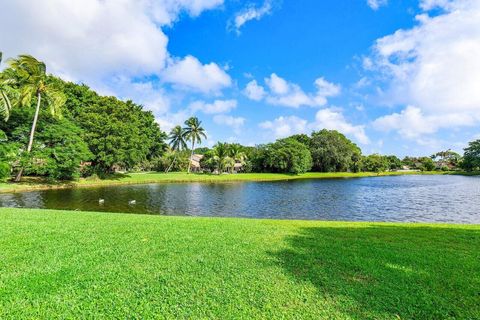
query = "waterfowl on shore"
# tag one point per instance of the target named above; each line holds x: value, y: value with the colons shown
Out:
x: 132, y: 202
x: 101, y: 201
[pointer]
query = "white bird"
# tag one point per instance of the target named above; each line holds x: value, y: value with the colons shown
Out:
x: 132, y: 202
x: 101, y: 201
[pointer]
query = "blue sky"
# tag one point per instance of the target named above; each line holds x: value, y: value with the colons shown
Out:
x: 397, y: 77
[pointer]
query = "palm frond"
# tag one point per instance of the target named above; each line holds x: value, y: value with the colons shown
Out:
x: 5, y: 105
x: 55, y: 101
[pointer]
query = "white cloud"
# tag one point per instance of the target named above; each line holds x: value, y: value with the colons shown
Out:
x: 218, y: 106
x: 285, y: 126
x: 236, y: 123
x: 145, y: 93
x: 284, y: 93
x: 412, y: 123
x: 254, y: 91
x: 277, y: 85
x: 251, y: 13
x: 425, y: 72
x: 324, y: 119
x: 434, y: 67
x: 334, y: 120
x: 190, y: 73
x: 169, y: 120
x: 325, y: 89
x: 376, y: 4
x: 432, y: 4
x: 93, y: 40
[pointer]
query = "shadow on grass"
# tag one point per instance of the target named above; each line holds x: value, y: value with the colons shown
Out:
x: 114, y: 176
x: 35, y: 181
x: 390, y: 272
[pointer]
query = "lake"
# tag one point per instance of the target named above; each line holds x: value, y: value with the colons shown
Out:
x: 419, y: 198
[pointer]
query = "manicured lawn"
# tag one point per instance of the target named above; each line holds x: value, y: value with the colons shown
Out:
x: 57, y: 264
x: 153, y: 177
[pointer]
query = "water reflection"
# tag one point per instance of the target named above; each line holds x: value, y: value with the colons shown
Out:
x: 402, y: 198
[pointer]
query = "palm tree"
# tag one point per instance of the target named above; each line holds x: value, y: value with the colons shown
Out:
x: 177, y: 143
x: 235, y: 151
x: 220, y: 156
x: 31, y: 76
x: 193, y: 132
x: 5, y: 90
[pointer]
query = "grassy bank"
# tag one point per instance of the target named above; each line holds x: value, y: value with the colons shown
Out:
x: 57, y: 264
x: 154, y: 177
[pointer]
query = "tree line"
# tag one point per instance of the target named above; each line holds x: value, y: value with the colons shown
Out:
x: 61, y: 130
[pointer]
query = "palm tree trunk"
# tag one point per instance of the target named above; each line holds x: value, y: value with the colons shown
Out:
x: 171, y: 164
x: 32, y: 134
x: 191, y: 155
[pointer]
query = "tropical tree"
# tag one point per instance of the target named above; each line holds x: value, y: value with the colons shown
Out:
x: 375, y: 163
x: 31, y: 77
x: 177, y: 143
x: 333, y: 152
x: 193, y: 132
x: 221, y: 156
x: 471, y: 158
x: 5, y: 91
x: 237, y: 154
x: 284, y: 156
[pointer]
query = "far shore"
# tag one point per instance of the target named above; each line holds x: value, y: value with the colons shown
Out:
x: 34, y: 183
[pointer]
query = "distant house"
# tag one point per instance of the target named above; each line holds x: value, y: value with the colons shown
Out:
x: 195, y: 162
x: 238, y: 167
x: 407, y: 169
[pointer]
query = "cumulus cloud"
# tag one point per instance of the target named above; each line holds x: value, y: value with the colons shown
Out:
x: 288, y: 94
x: 334, y: 120
x: 89, y: 40
x: 434, y: 67
x: 250, y: 13
x: 218, y: 106
x: 254, y: 91
x: 329, y: 118
x: 236, y: 123
x: 413, y: 123
x: 169, y: 119
x: 285, y: 126
x: 192, y: 74
x: 376, y: 4
x: 432, y: 4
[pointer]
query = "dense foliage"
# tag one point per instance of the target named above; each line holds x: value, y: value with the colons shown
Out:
x: 61, y: 130
x: 333, y: 152
x: 471, y: 159
x: 74, y: 127
x: 58, y: 149
x: 285, y: 155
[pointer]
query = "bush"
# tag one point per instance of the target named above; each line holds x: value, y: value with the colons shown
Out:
x: 5, y: 171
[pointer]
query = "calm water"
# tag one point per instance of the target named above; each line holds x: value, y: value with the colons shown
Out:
x: 401, y: 198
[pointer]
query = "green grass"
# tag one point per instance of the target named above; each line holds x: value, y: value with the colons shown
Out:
x: 66, y: 265
x: 154, y: 177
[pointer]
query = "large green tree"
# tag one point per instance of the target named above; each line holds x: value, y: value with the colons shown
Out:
x: 375, y: 163
x: 58, y: 149
x: 284, y: 156
x: 30, y: 76
x: 333, y: 152
x: 118, y: 133
x: 471, y: 157
x: 194, y: 132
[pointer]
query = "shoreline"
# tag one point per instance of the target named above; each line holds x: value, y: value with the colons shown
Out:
x: 176, y: 177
